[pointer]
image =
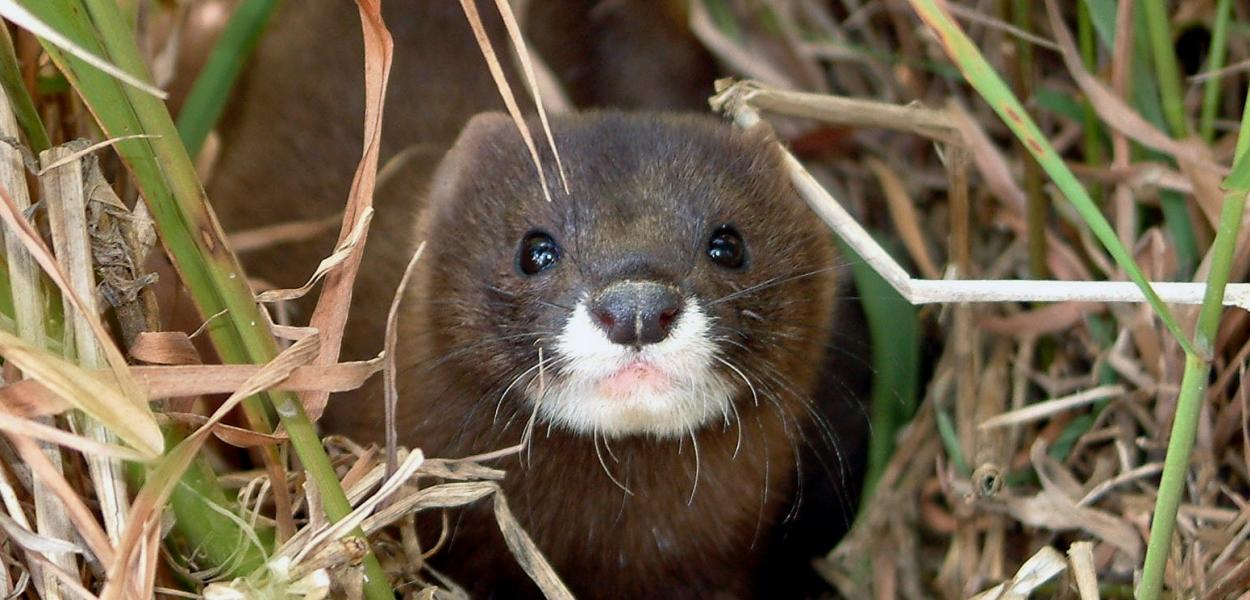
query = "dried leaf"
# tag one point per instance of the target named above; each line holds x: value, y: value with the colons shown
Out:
x: 342, y: 252
x: 390, y: 388
x: 30, y: 398
x: 330, y: 315
x: 1081, y: 559
x: 164, y: 348
x: 77, y: 387
x: 151, y: 439
x: 36, y: 430
x: 1040, y: 568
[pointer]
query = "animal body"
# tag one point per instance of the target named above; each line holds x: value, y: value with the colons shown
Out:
x: 668, y: 326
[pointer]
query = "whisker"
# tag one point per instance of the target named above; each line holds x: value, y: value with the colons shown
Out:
x: 754, y: 396
x: 594, y: 435
x: 501, y: 291
x: 608, y: 446
x: 515, y: 380
x: 694, y: 442
x: 771, y: 282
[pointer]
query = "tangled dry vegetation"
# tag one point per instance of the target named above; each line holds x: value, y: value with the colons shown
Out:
x: 1018, y: 445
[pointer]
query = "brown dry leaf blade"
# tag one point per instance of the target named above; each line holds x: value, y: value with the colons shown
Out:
x: 527, y: 554
x: 341, y: 253
x: 35, y: 542
x: 36, y: 430
x: 1040, y: 568
x: 903, y: 213
x: 450, y: 495
x: 1055, y: 510
x: 250, y: 240
x: 30, y: 398
x: 505, y: 90
x: 1051, y: 318
x: 988, y: 159
x: 302, y: 547
x: 1081, y: 560
x: 518, y: 42
x: 235, y: 436
x: 330, y: 315
x: 81, y: 516
x: 390, y: 343
x: 164, y: 348
x: 75, y: 386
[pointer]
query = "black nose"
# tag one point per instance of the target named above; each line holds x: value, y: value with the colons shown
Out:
x: 634, y: 313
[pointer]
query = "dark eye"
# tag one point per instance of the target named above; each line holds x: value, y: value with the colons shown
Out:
x: 726, y: 247
x: 538, y: 253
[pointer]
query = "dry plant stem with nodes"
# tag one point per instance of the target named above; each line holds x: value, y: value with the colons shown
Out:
x: 743, y: 100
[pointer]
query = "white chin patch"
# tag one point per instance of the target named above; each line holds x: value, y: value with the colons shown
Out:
x: 666, y: 389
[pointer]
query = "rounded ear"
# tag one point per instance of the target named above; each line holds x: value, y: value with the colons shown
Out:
x: 483, y: 125
x: 481, y: 136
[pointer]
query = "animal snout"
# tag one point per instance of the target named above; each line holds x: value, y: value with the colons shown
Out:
x: 634, y: 313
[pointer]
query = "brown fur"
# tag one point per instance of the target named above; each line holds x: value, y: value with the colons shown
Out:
x: 645, y: 191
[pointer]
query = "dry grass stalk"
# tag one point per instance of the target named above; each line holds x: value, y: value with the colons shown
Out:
x: 63, y: 192
x: 737, y: 102
x: 28, y: 302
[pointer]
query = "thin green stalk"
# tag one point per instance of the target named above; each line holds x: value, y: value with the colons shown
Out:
x: 1197, y: 370
x: 191, y: 235
x: 1091, y: 127
x: 6, y: 297
x: 208, y: 96
x: 1215, y: 62
x: 206, y: 537
x: 1166, y: 69
x: 1038, y: 205
x: 1151, y: 95
x: 991, y: 87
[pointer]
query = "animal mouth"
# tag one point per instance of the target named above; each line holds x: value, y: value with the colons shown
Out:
x: 635, y: 377
x: 666, y: 389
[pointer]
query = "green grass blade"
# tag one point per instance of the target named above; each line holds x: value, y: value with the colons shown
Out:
x: 1176, y: 215
x: 1215, y: 62
x: 1102, y: 13
x: 982, y: 77
x: 1197, y: 370
x: 1152, y: 97
x: 894, y: 329
x: 1092, y: 132
x: 1167, y: 71
x: 212, y: 87
x: 19, y: 97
